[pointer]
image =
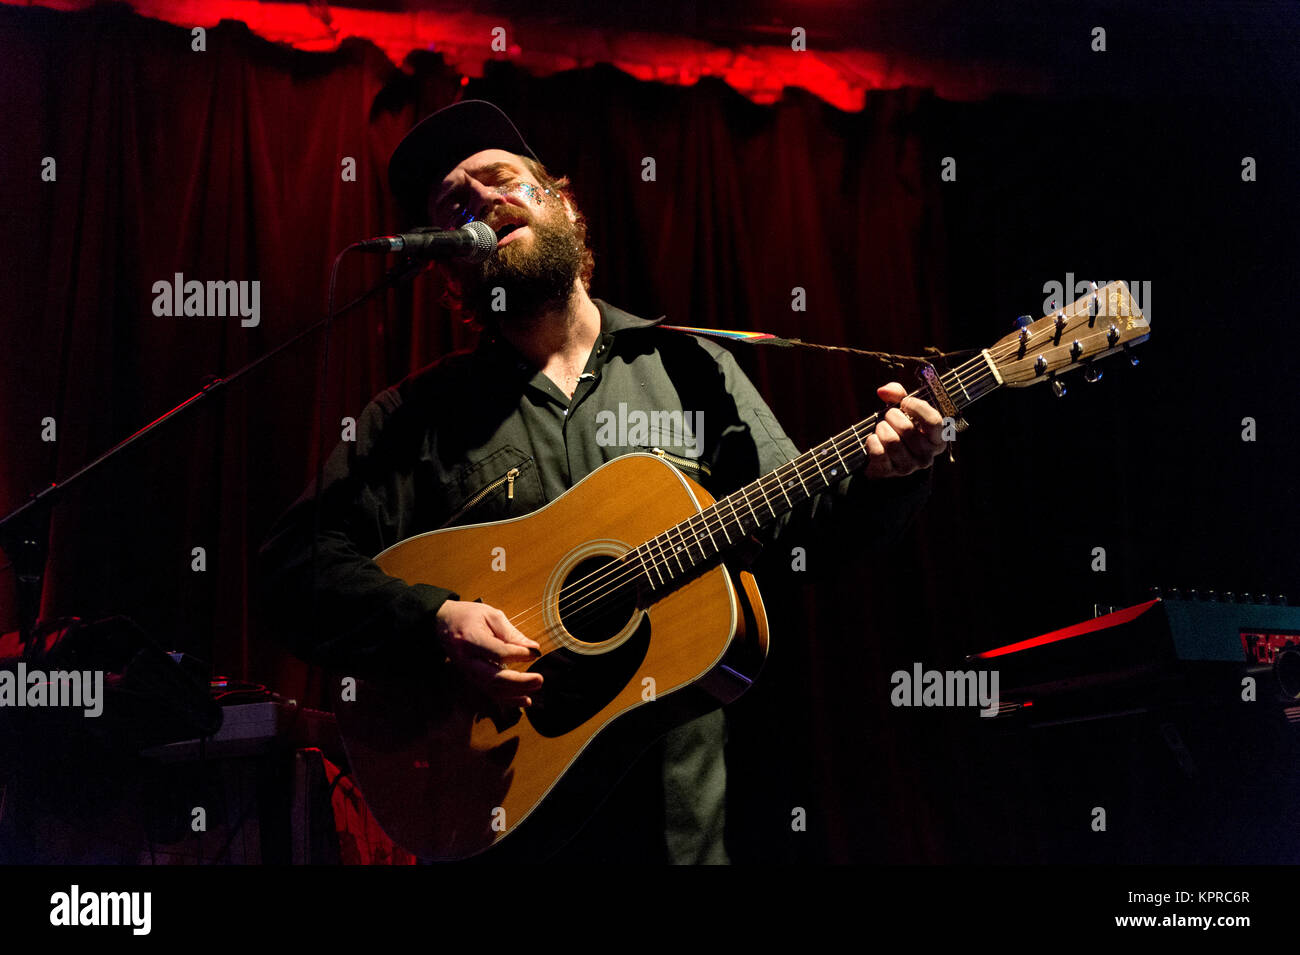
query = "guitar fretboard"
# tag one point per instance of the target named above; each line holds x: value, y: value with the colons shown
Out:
x: 730, y: 520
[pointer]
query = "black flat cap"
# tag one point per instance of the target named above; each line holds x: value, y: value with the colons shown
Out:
x: 437, y: 144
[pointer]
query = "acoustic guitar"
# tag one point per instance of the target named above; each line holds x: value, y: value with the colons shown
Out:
x: 628, y: 581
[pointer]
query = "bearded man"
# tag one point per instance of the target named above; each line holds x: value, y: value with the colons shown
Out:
x: 501, y: 430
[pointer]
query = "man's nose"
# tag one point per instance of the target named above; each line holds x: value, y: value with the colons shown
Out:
x: 481, y: 199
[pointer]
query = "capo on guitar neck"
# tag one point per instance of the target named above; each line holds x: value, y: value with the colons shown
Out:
x: 947, y: 408
x: 927, y: 374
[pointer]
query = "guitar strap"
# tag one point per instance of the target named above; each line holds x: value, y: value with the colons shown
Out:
x: 925, y: 372
x: 767, y: 338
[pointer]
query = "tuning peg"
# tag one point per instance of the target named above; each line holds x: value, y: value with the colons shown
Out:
x: 1058, y: 387
x: 1094, y: 306
x: 1280, y: 599
x: 1112, y: 336
x: 1132, y: 358
x: 1024, y: 341
x: 1211, y: 596
x: 1193, y: 595
x: 1022, y: 321
x: 1091, y: 374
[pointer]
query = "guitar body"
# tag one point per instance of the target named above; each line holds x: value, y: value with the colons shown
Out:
x: 447, y: 773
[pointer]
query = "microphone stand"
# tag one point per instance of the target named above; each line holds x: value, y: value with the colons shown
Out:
x: 24, y: 532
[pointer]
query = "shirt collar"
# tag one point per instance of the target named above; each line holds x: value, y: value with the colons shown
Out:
x: 612, y: 321
x: 616, y: 320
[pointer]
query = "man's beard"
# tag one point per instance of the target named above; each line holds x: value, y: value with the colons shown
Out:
x: 534, y: 277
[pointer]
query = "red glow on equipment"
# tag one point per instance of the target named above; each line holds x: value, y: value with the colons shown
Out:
x: 1078, y: 629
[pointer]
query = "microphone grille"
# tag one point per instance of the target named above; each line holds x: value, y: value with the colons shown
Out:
x: 485, y: 240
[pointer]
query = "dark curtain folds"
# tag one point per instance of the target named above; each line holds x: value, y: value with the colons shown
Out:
x: 229, y: 165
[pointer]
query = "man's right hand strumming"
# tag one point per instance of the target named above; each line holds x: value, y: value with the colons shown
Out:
x: 482, y: 642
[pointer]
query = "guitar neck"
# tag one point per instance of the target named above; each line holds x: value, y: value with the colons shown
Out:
x: 730, y: 520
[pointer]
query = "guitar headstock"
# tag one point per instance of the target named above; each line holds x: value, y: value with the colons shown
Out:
x: 1100, y: 323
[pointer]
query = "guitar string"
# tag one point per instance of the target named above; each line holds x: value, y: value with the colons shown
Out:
x: 624, y: 572
x: 596, y: 586
x: 832, y: 444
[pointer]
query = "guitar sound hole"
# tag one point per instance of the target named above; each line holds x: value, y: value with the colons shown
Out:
x: 597, y: 599
x: 596, y: 603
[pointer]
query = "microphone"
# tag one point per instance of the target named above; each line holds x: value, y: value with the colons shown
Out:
x: 474, y: 241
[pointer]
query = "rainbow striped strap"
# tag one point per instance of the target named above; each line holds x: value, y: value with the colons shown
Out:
x: 767, y: 338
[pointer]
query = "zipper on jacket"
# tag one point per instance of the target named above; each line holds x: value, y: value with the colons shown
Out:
x: 699, y: 466
x: 508, y: 479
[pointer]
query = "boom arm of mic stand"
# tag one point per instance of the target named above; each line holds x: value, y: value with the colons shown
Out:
x: 24, y: 531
